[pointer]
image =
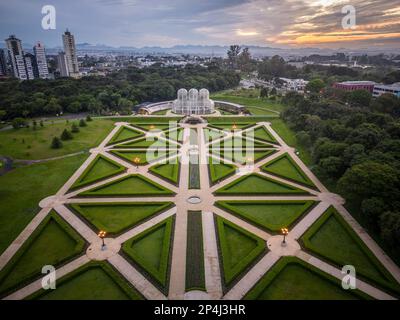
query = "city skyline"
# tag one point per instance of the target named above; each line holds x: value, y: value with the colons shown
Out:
x: 280, y: 24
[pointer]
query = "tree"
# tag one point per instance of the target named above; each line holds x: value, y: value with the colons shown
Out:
x: 390, y: 228
x: 41, y: 123
x: 82, y: 123
x: 245, y: 61
x: 233, y: 54
x: 52, y: 107
x: 56, y: 143
x: 66, y: 135
x: 360, y: 98
x: 372, y: 209
x: 332, y: 166
x: 303, y: 138
x: 264, y: 92
x: 315, y: 86
x: 2, y: 114
x: 34, y: 124
x: 18, y: 123
x: 369, y: 179
x: 74, y: 128
x: 273, y: 92
x: 88, y: 118
x: 367, y: 134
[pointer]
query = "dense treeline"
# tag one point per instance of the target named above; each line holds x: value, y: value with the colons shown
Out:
x: 355, y: 144
x: 117, y: 92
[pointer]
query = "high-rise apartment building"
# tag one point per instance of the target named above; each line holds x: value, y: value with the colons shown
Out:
x: 70, y: 53
x: 16, y: 57
x: 40, y: 55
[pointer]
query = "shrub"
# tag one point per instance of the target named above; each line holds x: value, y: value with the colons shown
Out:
x: 82, y: 123
x: 88, y: 118
x: 74, y: 128
x: 56, y: 143
x: 66, y: 135
x: 19, y: 123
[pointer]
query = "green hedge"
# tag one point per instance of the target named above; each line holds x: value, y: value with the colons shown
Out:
x: 212, y: 170
x: 79, y: 184
x: 195, y: 279
x: 161, y: 276
x: 119, y: 280
x: 160, y: 190
x: 80, y: 245
x: 175, y: 175
x: 269, y: 277
x: 227, y: 206
x: 115, y: 139
x: 391, y: 284
x: 231, y: 275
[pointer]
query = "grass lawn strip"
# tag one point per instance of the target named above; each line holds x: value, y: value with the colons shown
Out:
x: 155, y: 126
x: 238, y: 142
x: 93, y: 281
x: 241, y: 157
x: 175, y: 135
x: 195, y: 279
x: 261, y: 133
x: 332, y: 239
x: 149, y: 142
x: 285, y: 167
x: 124, y: 134
x: 117, y: 218
x: 293, y: 279
x: 54, y: 242
x: 99, y: 169
x: 255, y: 184
x: 239, y: 249
x: 219, y: 171
x: 151, y: 251
x: 212, y: 134
x: 168, y: 171
x: 269, y: 215
x: 130, y: 186
x: 145, y: 157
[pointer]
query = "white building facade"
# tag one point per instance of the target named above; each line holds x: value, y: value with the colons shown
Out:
x: 70, y: 54
x: 380, y: 89
x: 193, y: 102
x: 40, y: 54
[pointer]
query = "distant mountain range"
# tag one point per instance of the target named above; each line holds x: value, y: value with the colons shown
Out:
x: 208, y: 50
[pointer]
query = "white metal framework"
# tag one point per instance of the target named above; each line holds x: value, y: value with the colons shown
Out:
x: 193, y: 102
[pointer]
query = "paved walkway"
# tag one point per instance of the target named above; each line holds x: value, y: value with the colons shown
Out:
x: 213, y: 281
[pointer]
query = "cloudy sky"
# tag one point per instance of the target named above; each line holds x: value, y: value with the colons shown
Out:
x: 275, y: 23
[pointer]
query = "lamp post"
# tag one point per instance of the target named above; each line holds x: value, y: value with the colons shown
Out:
x: 250, y: 161
x: 102, y: 234
x: 234, y: 127
x: 285, y: 232
x: 136, y: 161
x: 152, y: 127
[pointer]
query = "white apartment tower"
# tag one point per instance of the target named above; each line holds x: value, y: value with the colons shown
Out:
x: 62, y: 64
x: 70, y: 54
x: 16, y: 57
x: 40, y: 54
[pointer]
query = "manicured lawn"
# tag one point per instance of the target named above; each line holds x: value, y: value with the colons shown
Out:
x: 257, y: 185
x: 285, y: 167
x: 270, y: 215
x: 289, y: 137
x: 169, y: 171
x: 95, y: 281
x: 228, y: 125
x: 145, y: 157
x: 194, y: 253
x: 260, y: 111
x: 156, y: 126
x: 118, y: 217
x: 238, y: 247
x: 27, y: 143
x: 175, y: 135
x: 243, y: 156
x: 331, y: 238
x: 124, y: 134
x: 52, y: 243
x: 151, y: 251
x: 99, y: 169
x: 250, y: 102
x: 132, y: 185
x: 212, y: 134
x: 240, y: 143
x: 219, y: 170
x: 148, y: 142
x: 23, y: 188
x: 293, y: 279
x: 261, y: 133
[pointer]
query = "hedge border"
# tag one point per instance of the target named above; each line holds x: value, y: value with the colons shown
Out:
x: 273, y: 140
x: 310, y: 184
x: 114, y: 141
x: 220, y: 153
x: 167, y: 145
x: 163, y: 190
x: 195, y: 245
x: 78, y: 184
x: 315, y: 227
x: 159, y: 175
x: 267, y: 279
x: 207, y: 141
x: 154, y: 276
x: 232, y: 275
x: 211, y: 171
x: 223, y: 190
x: 168, y: 154
x: 226, y: 206
x: 141, y: 124
x: 168, y: 134
x: 257, y: 144
x: 114, y: 274
x: 79, y: 249
x: 76, y: 208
